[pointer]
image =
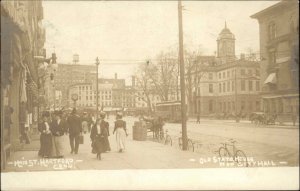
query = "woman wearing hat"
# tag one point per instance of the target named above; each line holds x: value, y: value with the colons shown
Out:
x: 58, y: 128
x: 121, y: 133
x: 99, y: 137
x: 46, y: 137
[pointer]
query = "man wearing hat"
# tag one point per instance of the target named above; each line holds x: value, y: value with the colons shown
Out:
x: 74, y: 126
x: 57, y: 129
x: 46, y: 137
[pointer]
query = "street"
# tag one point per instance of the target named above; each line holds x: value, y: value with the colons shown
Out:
x: 268, y: 146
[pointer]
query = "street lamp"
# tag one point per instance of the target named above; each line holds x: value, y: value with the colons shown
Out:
x: 97, y: 64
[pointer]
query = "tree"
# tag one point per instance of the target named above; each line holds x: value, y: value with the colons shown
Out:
x: 144, y: 89
x: 163, y: 74
x: 196, y: 68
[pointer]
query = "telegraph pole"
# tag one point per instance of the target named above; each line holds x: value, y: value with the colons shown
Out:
x: 182, y: 79
x: 97, y: 94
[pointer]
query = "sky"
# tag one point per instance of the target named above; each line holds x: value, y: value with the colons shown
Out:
x: 124, y: 34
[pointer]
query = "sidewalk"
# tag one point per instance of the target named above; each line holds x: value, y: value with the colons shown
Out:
x: 138, y: 155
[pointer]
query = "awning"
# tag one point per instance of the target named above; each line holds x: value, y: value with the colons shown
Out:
x: 271, y: 79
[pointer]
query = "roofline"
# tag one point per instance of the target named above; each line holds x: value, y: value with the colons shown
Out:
x: 271, y: 8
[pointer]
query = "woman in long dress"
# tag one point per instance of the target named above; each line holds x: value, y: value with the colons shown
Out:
x: 98, y: 136
x: 121, y: 133
x: 46, y: 137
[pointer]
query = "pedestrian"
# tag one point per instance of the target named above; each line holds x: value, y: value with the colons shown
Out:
x: 161, y: 126
x: 57, y: 129
x: 74, y: 126
x: 121, y: 132
x: 45, y: 137
x: 105, y: 129
x: 198, y: 118
x: 90, y: 122
x: 99, y: 136
x: 84, y: 123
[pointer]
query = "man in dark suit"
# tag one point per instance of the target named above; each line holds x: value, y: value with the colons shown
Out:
x: 57, y: 129
x: 74, y: 125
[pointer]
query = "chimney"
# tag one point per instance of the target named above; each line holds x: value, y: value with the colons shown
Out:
x: 116, y: 76
x: 242, y: 56
x: 133, y: 81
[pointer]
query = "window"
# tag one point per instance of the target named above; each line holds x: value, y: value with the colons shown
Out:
x: 250, y: 72
x: 220, y: 87
x: 210, y: 76
x: 228, y: 74
x: 232, y: 85
x: 272, y: 57
x: 257, y: 73
x: 242, y: 71
x: 257, y: 105
x: 220, y: 75
x: 257, y: 86
x: 210, y: 107
x: 250, y: 105
x: 228, y: 86
x: 250, y: 85
x: 243, y: 85
x: 224, y: 74
x: 211, y: 90
x: 272, y: 31
x: 242, y: 105
x: 224, y: 90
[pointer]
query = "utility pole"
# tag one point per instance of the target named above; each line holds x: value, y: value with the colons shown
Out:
x: 97, y: 92
x: 182, y: 79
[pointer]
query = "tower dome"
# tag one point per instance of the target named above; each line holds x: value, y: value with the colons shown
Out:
x: 226, y: 45
x: 226, y: 33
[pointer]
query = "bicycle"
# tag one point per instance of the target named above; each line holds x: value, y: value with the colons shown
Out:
x: 190, y: 145
x: 238, y: 155
x: 166, y: 140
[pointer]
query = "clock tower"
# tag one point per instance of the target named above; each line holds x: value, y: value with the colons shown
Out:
x: 226, y: 46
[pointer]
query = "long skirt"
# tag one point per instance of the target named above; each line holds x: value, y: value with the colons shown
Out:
x: 58, y: 148
x: 121, y: 138
x: 46, y: 145
x: 106, y: 143
x: 85, y: 127
x: 98, y: 145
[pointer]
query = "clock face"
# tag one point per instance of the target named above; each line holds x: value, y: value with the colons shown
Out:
x: 74, y: 97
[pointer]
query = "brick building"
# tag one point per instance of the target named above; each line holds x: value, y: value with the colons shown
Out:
x: 279, y: 47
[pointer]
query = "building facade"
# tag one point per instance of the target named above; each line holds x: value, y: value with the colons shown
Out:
x: 225, y: 84
x: 279, y: 47
x: 22, y: 38
x: 67, y: 75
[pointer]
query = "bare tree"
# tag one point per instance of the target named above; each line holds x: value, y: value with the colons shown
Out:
x: 162, y: 74
x: 195, y: 70
x: 144, y: 87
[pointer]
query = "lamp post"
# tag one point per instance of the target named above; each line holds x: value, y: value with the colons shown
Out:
x: 97, y: 64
